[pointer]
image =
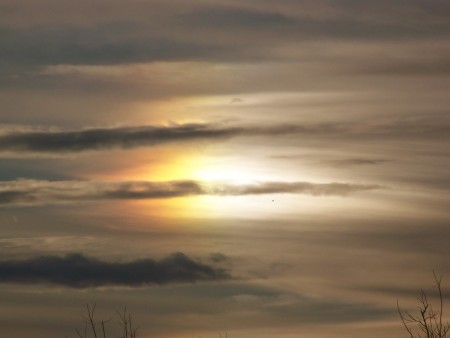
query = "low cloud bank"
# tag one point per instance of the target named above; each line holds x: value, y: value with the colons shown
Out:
x: 79, y: 271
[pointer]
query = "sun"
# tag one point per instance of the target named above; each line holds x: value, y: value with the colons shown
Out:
x: 230, y: 173
x: 232, y: 170
x: 210, y: 170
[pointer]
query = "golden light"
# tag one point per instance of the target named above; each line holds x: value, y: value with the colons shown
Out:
x: 210, y: 162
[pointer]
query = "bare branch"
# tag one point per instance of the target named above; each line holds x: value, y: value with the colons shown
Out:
x: 427, y: 323
x: 125, y: 321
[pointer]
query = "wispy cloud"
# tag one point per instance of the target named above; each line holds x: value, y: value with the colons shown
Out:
x: 35, y: 192
x: 79, y: 271
x: 41, y: 192
x: 340, y: 162
x: 307, y: 188
x: 357, y: 161
x: 106, y: 138
x: 61, y: 142
x: 130, y: 137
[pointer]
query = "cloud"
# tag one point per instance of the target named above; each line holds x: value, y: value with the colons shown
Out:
x: 235, y: 19
x: 350, y: 162
x: 129, y: 36
x: 78, y: 271
x: 97, y: 46
x: 31, y: 192
x: 106, y: 138
x: 125, y: 137
x: 61, y: 142
x: 344, y: 162
x: 314, y: 189
x: 35, y: 192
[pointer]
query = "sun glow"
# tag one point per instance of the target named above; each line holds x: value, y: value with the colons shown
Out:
x: 232, y: 170
x: 229, y: 175
x: 208, y: 171
x: 235, y: 161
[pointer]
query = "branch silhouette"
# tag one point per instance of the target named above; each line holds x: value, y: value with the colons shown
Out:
x: 95, y: 328
x: 427, y: 321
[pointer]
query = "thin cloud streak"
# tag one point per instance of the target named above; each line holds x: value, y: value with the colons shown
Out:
x: 132, y: 137
x: 79, y: 271
x: 61, y: 142
x: 313, y: 189
x: 351, y: 162
x: 37, y: 192
x: 107, y: 138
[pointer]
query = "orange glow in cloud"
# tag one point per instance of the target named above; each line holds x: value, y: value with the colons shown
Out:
x: 210, y: 170
x: 210, y: 163
x: 210, y: 166
x: 170, y: 165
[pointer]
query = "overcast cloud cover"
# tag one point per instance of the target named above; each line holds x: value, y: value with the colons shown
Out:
x: 293, y: 154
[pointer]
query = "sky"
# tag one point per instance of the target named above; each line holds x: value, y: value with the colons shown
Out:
x: 269, y: 169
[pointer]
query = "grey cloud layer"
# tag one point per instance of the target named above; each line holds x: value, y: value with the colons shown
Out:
x: 325, y: 38
x: 144, y: 38
x: 130, y: 137
x: 103, y: 138
x: 32, y: 192
x: 79, y: 271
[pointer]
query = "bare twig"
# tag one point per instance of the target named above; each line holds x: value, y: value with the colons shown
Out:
x: 125, y: 321
x: 428, y: 322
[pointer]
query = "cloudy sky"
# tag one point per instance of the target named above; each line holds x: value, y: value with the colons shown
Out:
x: 263, y: 168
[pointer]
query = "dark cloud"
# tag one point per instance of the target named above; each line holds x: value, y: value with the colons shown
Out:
x: 218, y: 257
x: 430, y: 65
x: 131, y: 37
x: 426, y: 240
x: 34, y: 192
x: 42, y: 192
x: 235, y: 18
x: 13, y: 196
x: 103, y: 138
x: 350, y: 162
x: 306, y: 310
x: 270, y: 24
x: 130, y: 137
x: 345, y: 162
x: 32, y: 168
x: 409, y: 292
x: 145, y: 190
x: 111, y: 44
x: 79, y: 271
